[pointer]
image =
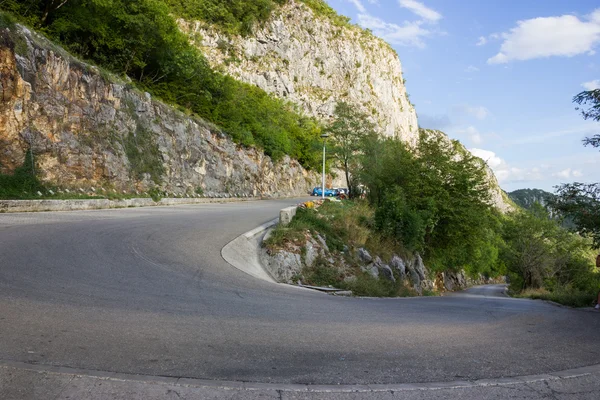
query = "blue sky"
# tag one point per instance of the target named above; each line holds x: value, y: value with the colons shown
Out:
x: 499, y: 76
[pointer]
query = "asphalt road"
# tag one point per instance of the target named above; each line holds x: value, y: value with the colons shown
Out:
x: 145, y: 291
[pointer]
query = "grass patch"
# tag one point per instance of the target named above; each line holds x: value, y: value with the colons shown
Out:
x: 566, y: 296
x: 143, y: 154
x: 339, y: 223
x: 344, y: 226
x: 23, y: 183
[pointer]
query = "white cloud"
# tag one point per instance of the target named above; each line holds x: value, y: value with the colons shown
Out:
x: 565, y: 35
x: 471, y: 68
x: 421, y: 10
x: 479, y: 112
x: 489, y: 157
x: 472, y: 133
x: 505, y: 172
x: 359, y: 5
x: 582, y: 130
x: 481, y: 41
x: 591, y: 85
x: 409, y: 34
x: 568, y: 173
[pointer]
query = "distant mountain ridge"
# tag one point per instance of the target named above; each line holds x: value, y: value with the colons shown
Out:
x: 525, y: 198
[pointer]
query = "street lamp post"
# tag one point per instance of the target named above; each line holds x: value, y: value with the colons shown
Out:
x: 324, y: 136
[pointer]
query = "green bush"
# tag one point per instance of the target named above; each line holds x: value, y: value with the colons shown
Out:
x: 567, y: 296
x: 232, y: 16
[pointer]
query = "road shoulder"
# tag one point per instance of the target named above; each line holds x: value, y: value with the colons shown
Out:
x: 21, y: 381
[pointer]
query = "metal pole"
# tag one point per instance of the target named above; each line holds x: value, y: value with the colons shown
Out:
x: 323, y: 181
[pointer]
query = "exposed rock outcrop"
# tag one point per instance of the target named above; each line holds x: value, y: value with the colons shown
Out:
x: 289, y: 263
x: 314, y: 62
x: 86, y: 128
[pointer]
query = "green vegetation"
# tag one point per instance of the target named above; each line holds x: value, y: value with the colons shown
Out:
x: 546, y: 261
x: 347, y: 132
x: 143, y: 154
x: 140, y: 39
x: 232, y: 16
x: 321, y: 8
x: 344, y: 225
x: 540, y: 254
x: 436, y: 202
x: 22, y: 183
x: 569, y: 297
x: 580, y: 201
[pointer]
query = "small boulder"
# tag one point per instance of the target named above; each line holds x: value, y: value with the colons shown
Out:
x: 398, y: 264
x: 323, y: 243
x: 419, y: 267
x: 311, y: 253
x: 387, y: 272
x: 372, y: 270
x: 364, y: 256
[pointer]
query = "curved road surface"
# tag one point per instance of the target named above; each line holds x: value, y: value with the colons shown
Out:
x: 145, y: 291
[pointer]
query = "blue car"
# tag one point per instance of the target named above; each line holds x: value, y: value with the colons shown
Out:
x: 318, y: 191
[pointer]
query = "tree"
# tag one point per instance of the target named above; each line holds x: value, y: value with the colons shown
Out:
x: 529, y: 238
x: 580, y: 201
x: 347, y: 132
x: 436, y: 202
x: 539, y: 253
x: 591, y: 97
x: 50, y: 6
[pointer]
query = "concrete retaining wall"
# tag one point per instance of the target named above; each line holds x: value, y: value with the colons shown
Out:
x: 95, y: 204
x: 286, y: 215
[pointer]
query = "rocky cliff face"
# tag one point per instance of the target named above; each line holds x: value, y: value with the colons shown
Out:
x: 315, y: 63
x: 87, y: 129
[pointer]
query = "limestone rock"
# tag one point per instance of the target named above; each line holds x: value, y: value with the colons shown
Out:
x: 387, y: 272
x: 311, y: 253
x: 398, y: 264
x: 309, y: 60
x: 372, y: 270
x: 79, y: 122
x: 282, y: 265
x: 419, y: 267
x: 364, y: 256
x: 323, y: 244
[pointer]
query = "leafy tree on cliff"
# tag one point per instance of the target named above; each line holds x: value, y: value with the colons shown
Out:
x: 349, y: 128
x: 437, y: 202
x: 580, y: 201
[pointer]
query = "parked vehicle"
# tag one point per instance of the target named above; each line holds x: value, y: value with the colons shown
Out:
x: 318, y: 191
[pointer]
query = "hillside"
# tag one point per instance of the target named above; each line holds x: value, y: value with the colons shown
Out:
x: 92, y: 131
x: 264, y: 76
x: 315, y: 61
